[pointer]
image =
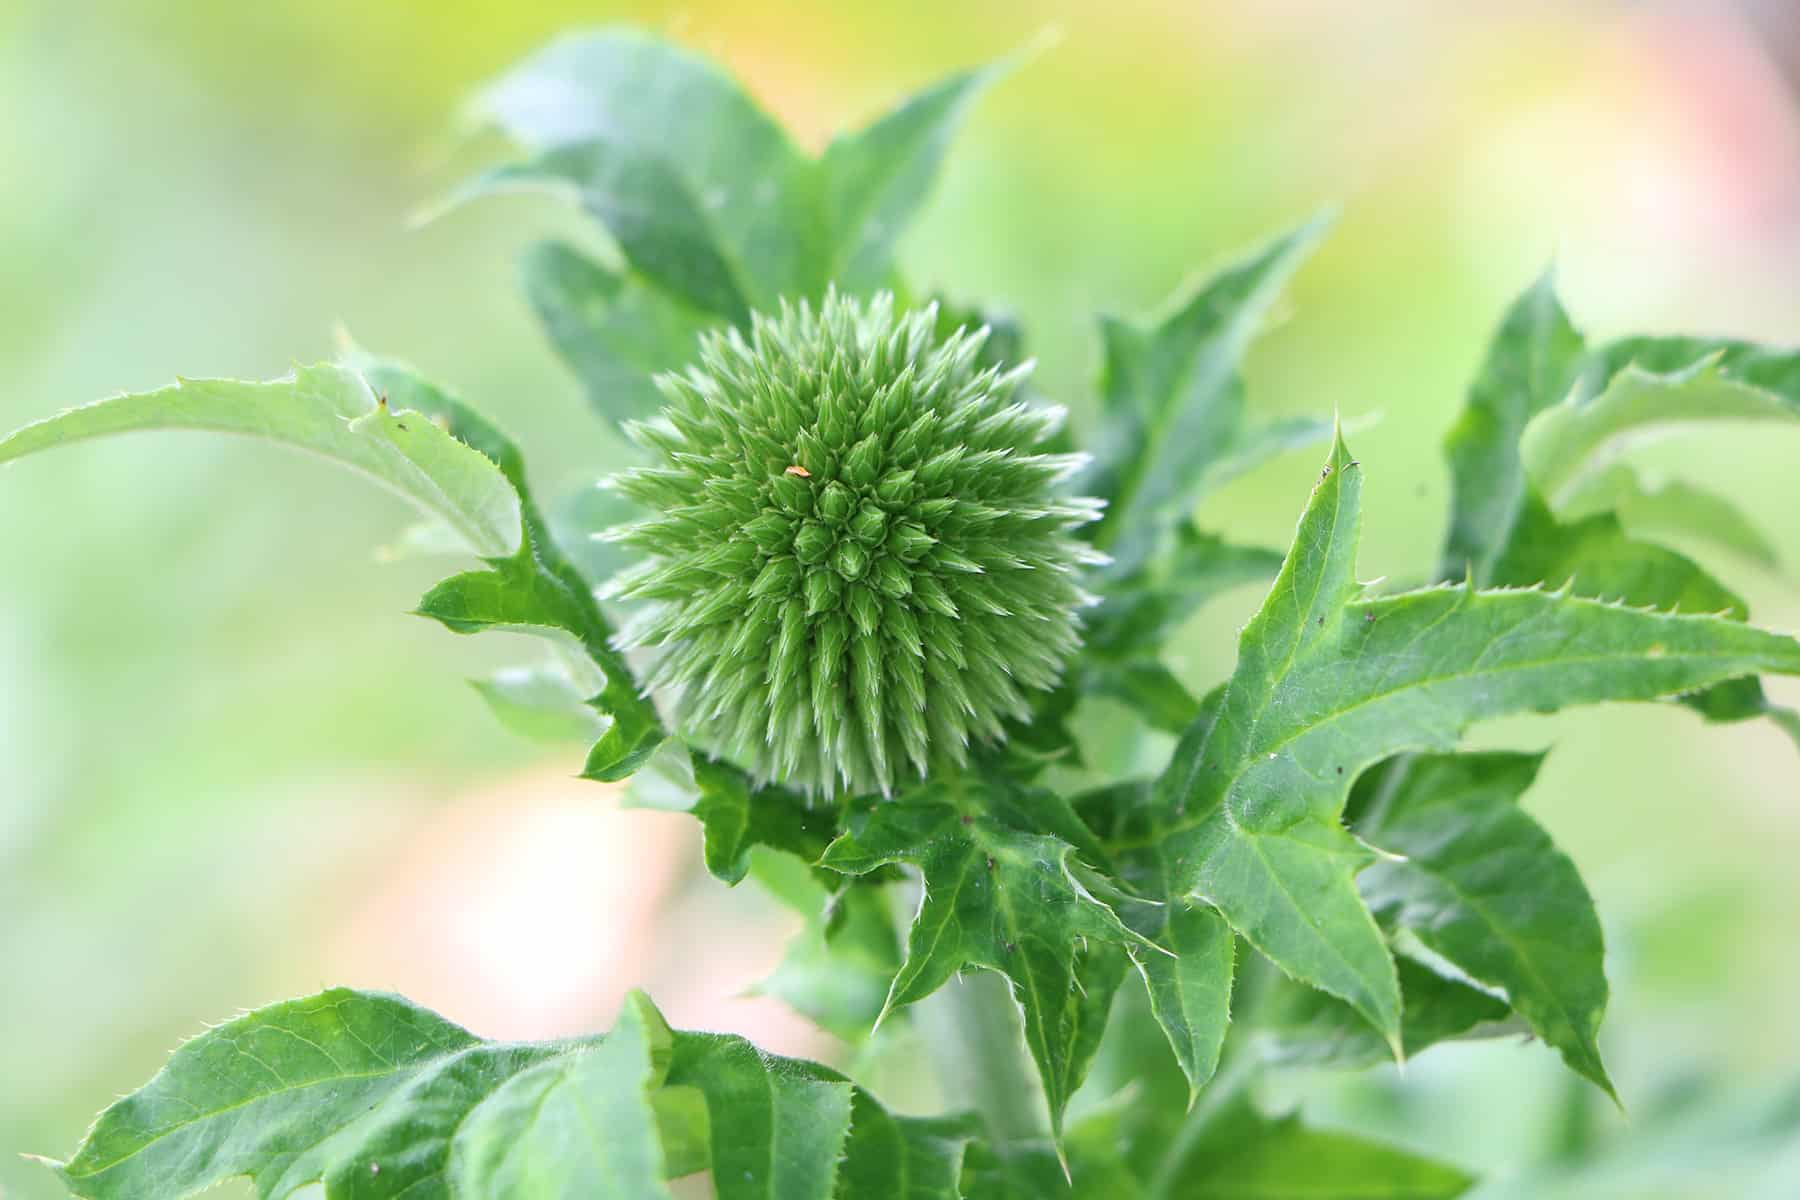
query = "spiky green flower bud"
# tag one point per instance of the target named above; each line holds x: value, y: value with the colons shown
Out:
x: 860, y: 563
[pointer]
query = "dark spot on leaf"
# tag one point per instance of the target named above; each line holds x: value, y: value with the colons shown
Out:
x: 968, y: 819
x: 1340, y: 770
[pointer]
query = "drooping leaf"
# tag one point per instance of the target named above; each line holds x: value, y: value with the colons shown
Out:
x: 1674, y: 509
x: 329, y: 410
x: 1330, y: 681
x: 1482, y: 891
x: 580, y: 1124
x: 535, y: 589
x: 1564, y: 446
x: 541, y: 703
x: 614, y: 333
x: 1503, y: 533
x: 1003, y: 889
x: 1241, y: 1154
x: 1174, y: 402
x: 875, y: 179
x: 1530, y: 366
x: 703, y: 191
x: 375, y: 1098
x: 387, y: 422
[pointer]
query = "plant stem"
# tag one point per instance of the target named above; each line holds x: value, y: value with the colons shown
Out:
x: 972, y: 1028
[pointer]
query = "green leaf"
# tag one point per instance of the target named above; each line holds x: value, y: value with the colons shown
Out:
x: 1189, y: 984
x: 1330, y: 681
x: 837, y: 968
x: 579, y: 1125
x: 903, y: 1158
x: 1502, y: 533
x: 1530, y: 366
x: 1002, y: 890
x: 779, y: 1125
x: 1565, y: 445
x: 1242, y: 1155
x: 703, y: 190
x: 737, y: 815
x: 534, y: 590
x: 329, y: 410
x: 1484, y: 894
x: 1174, y: 403
x: 615, y: 333
x: 293, y: 1094
x: 1594, y: 557
x: 375, y: 1098
x: 663, y: 228
x: 1302, y: 1026
x: 541, y: 703
x: 876, y: 179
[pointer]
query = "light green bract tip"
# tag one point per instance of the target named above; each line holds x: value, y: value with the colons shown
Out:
x: 859, y: 563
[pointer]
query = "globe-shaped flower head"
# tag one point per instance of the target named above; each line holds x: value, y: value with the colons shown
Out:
x: 859, y: 562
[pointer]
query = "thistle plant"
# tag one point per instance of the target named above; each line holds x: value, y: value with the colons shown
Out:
x: 851, y: 517
x: 864, y: 558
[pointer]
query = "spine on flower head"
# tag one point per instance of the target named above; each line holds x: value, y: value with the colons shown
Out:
x: 857, y: 562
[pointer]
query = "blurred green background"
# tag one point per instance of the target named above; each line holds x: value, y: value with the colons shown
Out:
x: 232, y: 768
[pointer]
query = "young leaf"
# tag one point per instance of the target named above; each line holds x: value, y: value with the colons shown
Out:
x: 578, y: 1125
x: 1672, y: 509
x: 1502, y: 533
x: 1483, y: 891
x: 541, y: 703
x: 1002, y: 890
x: 1329, y: 681
x: 876, y: 179
x: 329, y: 410
x: 702, y: 189
x: 614, y: 332
x: 663, y: 228
x: 1530, y: 366
x: 1563, y: 446
x: 1174, y: 404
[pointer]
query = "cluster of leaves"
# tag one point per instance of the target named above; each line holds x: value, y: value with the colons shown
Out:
x: 1315, y: 829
